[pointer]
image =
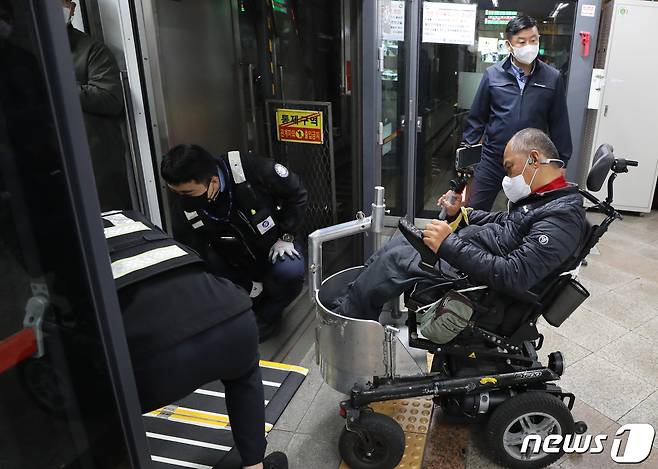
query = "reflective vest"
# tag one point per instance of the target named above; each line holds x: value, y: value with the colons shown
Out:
x: 140, y: 250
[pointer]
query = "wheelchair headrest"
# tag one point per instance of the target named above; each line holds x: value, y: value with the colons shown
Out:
x: 604, y: 159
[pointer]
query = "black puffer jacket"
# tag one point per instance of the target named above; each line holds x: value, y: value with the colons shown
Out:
x: 512, y: 252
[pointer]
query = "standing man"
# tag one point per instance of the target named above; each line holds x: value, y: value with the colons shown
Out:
x: 517, y: 93
x: 101, y: 98
x: 241, y: 213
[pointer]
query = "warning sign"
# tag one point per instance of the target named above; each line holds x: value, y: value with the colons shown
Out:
x: 300, y: 126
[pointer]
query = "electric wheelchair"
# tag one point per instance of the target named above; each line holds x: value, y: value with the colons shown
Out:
x: 481, y: 374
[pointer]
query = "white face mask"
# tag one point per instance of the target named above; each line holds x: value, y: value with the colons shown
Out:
x: 5, y: 29
x: 516, y: 188
x: 526, y: 54
x: 67, y: 14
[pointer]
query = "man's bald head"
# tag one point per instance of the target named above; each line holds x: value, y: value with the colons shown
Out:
x: 527, y: 140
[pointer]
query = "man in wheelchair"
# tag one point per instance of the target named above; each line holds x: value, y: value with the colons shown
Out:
x: 511, y: 252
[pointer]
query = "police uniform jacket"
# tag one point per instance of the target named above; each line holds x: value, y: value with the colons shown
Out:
x: 500, y: 109
x: 247, y: 218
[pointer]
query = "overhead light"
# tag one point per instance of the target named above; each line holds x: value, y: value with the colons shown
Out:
x: 495, y: 3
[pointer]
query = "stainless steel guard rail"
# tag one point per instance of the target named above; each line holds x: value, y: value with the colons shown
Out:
x: 374, y: 223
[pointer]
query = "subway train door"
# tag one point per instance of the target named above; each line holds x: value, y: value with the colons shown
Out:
x: 67, y: 392
x: 129, y: 177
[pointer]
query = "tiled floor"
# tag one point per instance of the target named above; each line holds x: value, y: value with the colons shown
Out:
x: 610, y: 346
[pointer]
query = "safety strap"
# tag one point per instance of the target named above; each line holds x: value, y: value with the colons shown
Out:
x: 236, y: 167
x: 463, y: 215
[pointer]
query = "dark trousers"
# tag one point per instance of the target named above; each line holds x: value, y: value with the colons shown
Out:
x: 487, y: 180
x: 388, y: 273
x: 227, y: 351
x: 282, y: 282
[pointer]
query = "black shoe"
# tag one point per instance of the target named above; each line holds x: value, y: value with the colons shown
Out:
x: 275, y: 460
x: 266, y: 329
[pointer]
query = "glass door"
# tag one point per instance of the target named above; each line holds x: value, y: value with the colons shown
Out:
x: 451, y: 63
x: 67, y: 396
x: 392, y: 123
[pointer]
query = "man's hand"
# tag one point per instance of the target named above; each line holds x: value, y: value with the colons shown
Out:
x: 451, y: 209
x: 434, y: 234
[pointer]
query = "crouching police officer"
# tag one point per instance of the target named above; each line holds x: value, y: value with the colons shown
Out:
x: 179, y: 319
x: 241, y: 213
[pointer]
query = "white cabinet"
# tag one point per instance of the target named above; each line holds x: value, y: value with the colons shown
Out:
x: 627, y: 116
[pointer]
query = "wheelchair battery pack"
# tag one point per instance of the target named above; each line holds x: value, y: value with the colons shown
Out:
x: 570, y: 297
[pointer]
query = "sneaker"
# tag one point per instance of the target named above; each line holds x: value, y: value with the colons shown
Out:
x: 275, y: 460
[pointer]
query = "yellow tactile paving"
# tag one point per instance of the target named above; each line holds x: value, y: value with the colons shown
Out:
x: 413, y: 451
x: 414, y: 416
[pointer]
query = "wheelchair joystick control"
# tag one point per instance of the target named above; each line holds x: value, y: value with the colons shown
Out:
x: 414, y: 235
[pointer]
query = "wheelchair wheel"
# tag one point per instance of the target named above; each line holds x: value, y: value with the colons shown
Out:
x: 529, y: 413
x: 387, y: 439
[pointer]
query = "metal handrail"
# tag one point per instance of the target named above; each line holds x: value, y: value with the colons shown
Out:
x: 374, y: 223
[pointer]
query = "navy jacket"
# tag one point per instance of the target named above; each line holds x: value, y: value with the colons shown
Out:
x: 500, y: 109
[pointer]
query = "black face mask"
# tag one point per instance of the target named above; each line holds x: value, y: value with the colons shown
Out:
x: 218, y: 207
x: 193, y: 203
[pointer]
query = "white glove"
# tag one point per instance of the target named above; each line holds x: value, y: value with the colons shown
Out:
x: 280, y: 248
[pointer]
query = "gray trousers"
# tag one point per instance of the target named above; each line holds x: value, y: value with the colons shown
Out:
x: 388, y: 273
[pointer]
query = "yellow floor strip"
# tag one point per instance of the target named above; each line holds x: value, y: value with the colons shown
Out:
x: 283, y: 366
x: 197, y: 416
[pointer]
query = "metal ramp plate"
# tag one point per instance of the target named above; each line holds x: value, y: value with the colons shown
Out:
x: 195, y: 431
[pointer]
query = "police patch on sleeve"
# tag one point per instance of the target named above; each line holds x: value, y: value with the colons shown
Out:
x: 265, y: 226
x: 543, y: 240
x: 281, y: 170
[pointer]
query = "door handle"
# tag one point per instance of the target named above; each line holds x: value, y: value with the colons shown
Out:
x: 605, y: 111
